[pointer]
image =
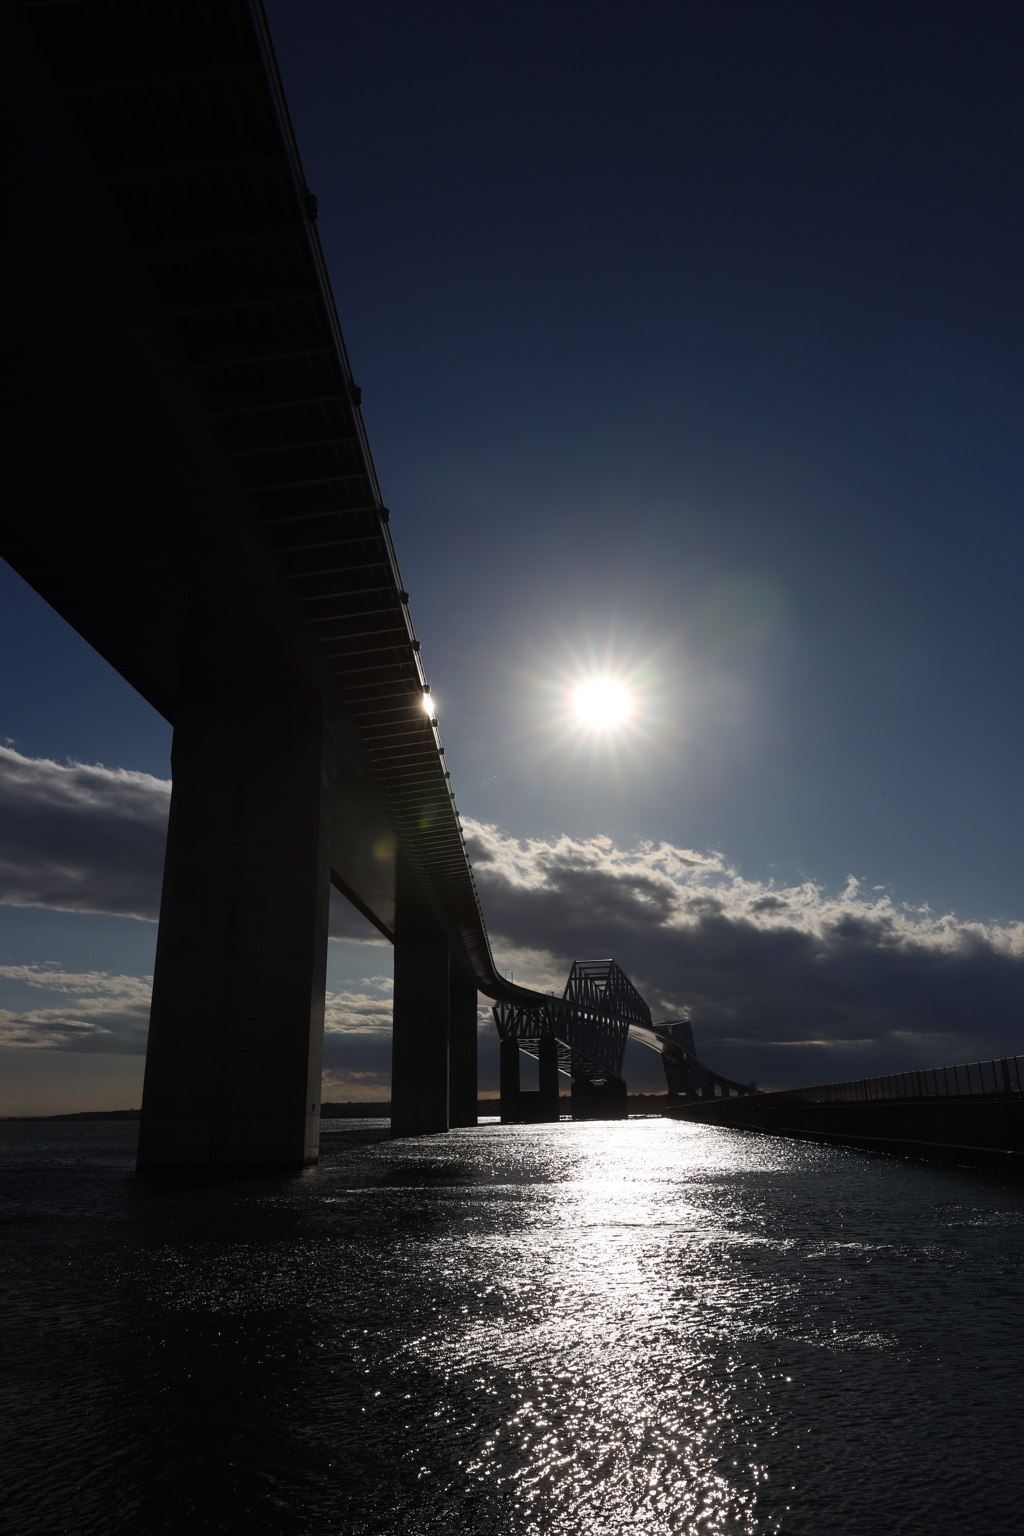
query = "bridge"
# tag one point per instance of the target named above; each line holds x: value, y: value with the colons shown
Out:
x: 582, y: 1035
x: 198, y: 500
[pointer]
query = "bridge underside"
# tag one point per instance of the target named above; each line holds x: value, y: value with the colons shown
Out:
x: 191, y: 488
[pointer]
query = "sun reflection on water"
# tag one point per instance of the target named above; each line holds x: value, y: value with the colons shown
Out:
x: 566, y: 1330
x: 608, y: 1310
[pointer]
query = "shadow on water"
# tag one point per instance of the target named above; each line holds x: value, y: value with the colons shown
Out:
x: 584, y: 1329
x: 335, y: 1134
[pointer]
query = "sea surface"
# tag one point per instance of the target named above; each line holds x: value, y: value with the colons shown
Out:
x: 644, y: 1327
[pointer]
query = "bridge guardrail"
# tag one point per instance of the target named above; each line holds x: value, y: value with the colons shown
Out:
x: 1003, y: 1076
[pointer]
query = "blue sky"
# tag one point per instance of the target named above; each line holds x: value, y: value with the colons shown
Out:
x: 690, y: 342
x: 646, y: 300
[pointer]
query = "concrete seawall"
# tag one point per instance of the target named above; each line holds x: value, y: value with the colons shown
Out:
x: 980, y: 1131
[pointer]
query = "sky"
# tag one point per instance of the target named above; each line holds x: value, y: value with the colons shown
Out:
x: 690, y: 342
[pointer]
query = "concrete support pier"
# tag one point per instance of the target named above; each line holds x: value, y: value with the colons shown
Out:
x: 509, y: 1081
x: 599, y: 1101
x: 419, y: 1049
x: 462, y: 1048
x: 236, y: 1032
x: 550, y: 1105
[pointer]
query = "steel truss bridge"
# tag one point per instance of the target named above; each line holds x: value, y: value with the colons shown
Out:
x: 582, y: 1036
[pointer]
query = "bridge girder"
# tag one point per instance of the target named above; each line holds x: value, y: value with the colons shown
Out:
x: 191, y: 485
x: 199, y: 501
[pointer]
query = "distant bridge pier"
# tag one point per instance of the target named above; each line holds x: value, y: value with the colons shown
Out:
x: 419, y: 1038
x: 547, y: 1075
x: 236, y: 1032
x: 509, y: 1081
x: 535, y: 1106
x: 599, y: 1101
x: 462, y: 1048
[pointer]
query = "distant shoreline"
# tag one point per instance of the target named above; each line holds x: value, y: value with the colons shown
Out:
x: 82, y: 1114
x: 368, y: 1109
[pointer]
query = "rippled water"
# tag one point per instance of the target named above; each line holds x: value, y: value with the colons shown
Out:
x: 643, y: 1327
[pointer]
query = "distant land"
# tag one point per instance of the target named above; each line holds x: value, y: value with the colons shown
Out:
x: 365, y: 1109
x: 84, y: 1114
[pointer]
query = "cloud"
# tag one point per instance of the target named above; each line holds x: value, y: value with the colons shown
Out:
x: 361, y: 1013
x: 96, y: 1011
x: 784, y: 983
x: 773, y: 974
x: 85, y: 838
x: 357, y: 1041
x: 101, y: 1011
x: 80, y: 837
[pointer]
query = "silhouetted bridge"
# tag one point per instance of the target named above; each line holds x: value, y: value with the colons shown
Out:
x: 190, y: 486
x: 582, y: 1035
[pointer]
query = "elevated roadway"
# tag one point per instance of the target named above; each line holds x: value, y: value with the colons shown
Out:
x: 193, y: 490
x: 195, y: 494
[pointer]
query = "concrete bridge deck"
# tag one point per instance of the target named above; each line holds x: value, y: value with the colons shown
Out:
x: 196, y: 495
x: 191, y: 487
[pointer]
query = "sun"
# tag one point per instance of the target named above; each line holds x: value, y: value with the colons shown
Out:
x: 602, y: 703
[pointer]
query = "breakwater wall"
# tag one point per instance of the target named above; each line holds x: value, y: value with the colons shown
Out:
x: 980, y: 1130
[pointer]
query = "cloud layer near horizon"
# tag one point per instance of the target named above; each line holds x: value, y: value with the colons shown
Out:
x: 86, y: 838
x: 81, y: 837
x: 99, y: 1011
x: 90, y: 1011
x: 759, y: 968
x: 770, y: 975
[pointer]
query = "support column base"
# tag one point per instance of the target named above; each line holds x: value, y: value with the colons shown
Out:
x: 599, y: 1101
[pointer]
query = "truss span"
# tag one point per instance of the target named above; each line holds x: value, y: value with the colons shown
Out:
x: 599, y: 1010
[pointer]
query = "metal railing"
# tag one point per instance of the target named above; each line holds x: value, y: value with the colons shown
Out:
x: 1002, y: 1077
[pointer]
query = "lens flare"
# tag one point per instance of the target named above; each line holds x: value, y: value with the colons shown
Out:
x: 602, y: 703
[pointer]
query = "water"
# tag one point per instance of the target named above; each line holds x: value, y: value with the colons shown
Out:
x: 637, y: 1327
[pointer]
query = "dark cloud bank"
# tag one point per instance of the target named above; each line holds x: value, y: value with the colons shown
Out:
x: 783, y: 984
x: 779, y: 983
x: 86, y: 838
